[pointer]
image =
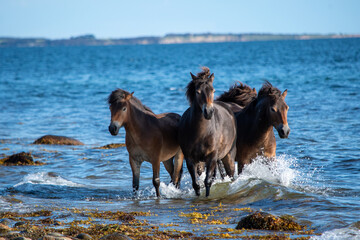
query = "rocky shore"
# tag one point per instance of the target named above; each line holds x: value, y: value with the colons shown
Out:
x: 66, y: 224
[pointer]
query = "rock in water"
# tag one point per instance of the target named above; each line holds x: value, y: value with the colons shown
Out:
x: 84, y: 236
x: 57, y: 140
x: 22, y: 158
x: 112, y: 145
x: 266, y: 221
x: 115, y: 236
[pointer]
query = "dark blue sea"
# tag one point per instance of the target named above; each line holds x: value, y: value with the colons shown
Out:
x: 63, y: 91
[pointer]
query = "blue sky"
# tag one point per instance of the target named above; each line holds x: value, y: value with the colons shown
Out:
x: 117, y: 18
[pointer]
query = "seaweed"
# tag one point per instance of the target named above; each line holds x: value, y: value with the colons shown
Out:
x: 266, y: 221
x: 95, y: 224
x: 112, y: 145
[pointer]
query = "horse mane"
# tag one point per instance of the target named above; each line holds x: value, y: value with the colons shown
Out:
x: 120, y: 95
x: 269, y: 91
x: 200, y: 77
x: 239, y: 93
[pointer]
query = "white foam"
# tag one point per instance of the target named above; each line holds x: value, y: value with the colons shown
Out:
x: 45, y: 178
x: 339, y: 234
x: 279, y: 171
x: 284, y: 171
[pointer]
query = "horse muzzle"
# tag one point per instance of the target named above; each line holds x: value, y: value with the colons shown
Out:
x: 283, y: 130
x: 208, y: 111
x: 114, y: 128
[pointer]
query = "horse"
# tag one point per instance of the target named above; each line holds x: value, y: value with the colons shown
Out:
x: 257, y: 117
x: 149, y: 137
x: 207, y: 131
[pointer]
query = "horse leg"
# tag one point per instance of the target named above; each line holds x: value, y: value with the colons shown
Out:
x: 135, y: 167
x: 210, y: 170
x: 229, y: 162
x: 178, y: 168
x: 220, y: 166
x: 169, y: 166
x: 239, y: 158
x: 192, y: 170
x: 240, y: 166
x: 156, y: 177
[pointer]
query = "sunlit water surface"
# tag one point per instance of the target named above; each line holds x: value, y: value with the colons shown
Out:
x: 63, y: 91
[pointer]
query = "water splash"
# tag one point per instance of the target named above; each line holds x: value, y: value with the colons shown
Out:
x: 282, y: 171
x: 46, y: 178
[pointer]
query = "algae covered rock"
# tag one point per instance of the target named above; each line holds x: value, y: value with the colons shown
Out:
x: 112, y: 145
x: 22, y: 158
x: 266, y: 221
x: 114, y: 236
x: 84, y: 236
x: 55, y: 236
x: 57, y: 140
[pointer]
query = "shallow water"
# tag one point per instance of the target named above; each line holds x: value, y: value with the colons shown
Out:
x: 63, y: 91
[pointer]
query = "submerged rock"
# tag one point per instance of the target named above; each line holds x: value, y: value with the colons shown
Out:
x: 55, y: 236
x: 84, y: 236
x: 266, y: 221
x: 22, y: 158
x: 115, y: 236
x: 57, y: 140
x: 112, y: 145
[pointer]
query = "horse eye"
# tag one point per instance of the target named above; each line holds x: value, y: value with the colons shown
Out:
x: 198, y: 91
x: 273, y: 109
x: 124, y: 109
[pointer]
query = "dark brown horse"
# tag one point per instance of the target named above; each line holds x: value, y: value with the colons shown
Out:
x: 255, y: 122
x: 207, y: 131
x: 149, y: 137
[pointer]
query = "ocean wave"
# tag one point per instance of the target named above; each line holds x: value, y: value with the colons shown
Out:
x: 339, y: 234
x: 46, y: 178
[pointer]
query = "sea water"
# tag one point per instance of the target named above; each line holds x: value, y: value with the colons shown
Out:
x: 63, y: 91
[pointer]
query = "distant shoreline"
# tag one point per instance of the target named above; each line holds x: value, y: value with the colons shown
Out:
x: 91, y: 40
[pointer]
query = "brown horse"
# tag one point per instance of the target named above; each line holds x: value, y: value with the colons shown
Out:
x: 149, y: 137
x: 255, y: 122
x: 207, y: 131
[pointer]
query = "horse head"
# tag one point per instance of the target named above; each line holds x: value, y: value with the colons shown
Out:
x: 119, y: 105
x: 276, y: 109
x: 202, y: 91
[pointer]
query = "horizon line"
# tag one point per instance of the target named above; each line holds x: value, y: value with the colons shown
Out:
x: 185, y: 33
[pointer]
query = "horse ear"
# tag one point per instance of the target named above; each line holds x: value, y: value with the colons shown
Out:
x: 193, y: 76
x: 283, y: 95
x: 212, y: 77
x: 129, y: 96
